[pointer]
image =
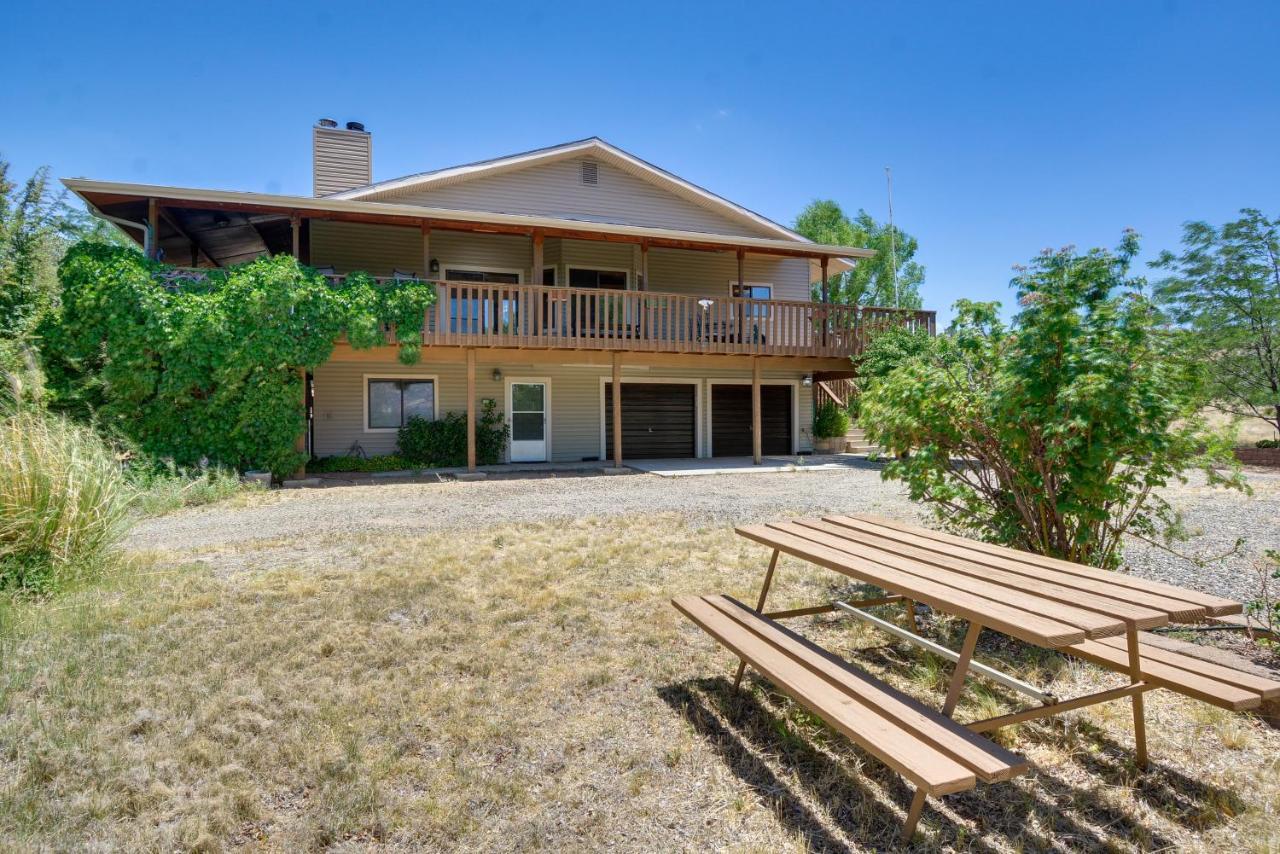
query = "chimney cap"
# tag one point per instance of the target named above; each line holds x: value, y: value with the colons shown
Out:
x: 327, y: 123
x: 355, y: 126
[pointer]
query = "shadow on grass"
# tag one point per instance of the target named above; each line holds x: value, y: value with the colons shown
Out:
x: 836, y: 804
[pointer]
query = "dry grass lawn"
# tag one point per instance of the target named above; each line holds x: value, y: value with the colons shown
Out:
x: 530, y: 687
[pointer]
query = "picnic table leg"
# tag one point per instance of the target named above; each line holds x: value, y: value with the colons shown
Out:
x: 962, y: 668
x: 1135, y: 675
x: 911, y: 615
x: 764, y: 591
x: 913, y: 816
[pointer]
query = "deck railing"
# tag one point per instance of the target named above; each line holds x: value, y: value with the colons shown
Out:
x: 533, y: 316
x: 501, y: 315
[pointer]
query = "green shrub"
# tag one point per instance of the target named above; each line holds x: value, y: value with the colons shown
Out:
x: 1267, y: 443
x: 213, y: 368
x: 830, y: 421
x: 388, y: 462
x: 63, y: 502
x: 160, y: 488
x: 443, y: 443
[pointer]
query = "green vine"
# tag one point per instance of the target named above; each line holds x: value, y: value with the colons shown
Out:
x: 210, y: 368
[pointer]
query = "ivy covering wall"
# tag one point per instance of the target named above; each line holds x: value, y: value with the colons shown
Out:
x: 209, y: 367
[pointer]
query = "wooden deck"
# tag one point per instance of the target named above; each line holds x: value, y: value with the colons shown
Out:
x: 529, y: 316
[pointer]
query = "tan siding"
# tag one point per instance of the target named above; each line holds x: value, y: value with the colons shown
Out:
x: 575, y: 401
x: 342, y: 160
x: 556, y: 189
x: 379, y: 249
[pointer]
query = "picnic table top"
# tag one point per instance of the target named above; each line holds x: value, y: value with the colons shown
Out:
x: 1044, y: 601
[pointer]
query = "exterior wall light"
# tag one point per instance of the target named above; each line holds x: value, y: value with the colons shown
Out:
x: 807, y: 381
x: 497, y: 375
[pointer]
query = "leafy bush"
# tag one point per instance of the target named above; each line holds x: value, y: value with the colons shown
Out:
x: 443, y: 443
x: 63, y: 501
x: 830, y: 421
x: 1267, y: 443
x: 209, y: 369
x: 389, y: 462
x: 163, y: 487
x: 1052, y: 435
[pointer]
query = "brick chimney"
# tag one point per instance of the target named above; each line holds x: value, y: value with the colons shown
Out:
x: 341, y: 158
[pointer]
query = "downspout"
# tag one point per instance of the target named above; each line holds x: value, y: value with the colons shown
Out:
x: 145, y: 228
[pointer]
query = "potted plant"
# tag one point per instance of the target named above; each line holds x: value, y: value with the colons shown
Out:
x: 830, y: 424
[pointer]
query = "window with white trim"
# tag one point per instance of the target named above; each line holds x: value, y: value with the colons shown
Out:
x: 392, y: 402
x: 753, y: 290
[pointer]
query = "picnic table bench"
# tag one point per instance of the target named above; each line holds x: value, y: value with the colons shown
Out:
x: 1089, y: 613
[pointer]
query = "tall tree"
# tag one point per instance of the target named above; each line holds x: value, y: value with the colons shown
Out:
x: 871, y: 281
x: 1224, y: 290
x: 37, y: 225
x: 1054, y: 434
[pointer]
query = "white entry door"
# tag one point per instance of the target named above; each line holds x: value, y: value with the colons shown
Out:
x: 527, y: 403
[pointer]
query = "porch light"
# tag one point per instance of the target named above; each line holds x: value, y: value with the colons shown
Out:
x: 433, y: 265
x: 706, y: 303
x: 807, y: 381
x: 497, y: 375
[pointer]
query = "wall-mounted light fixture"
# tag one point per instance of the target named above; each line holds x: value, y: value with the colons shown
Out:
x: 497, y: 375
x: 807, y: 381
x: 433, y: 265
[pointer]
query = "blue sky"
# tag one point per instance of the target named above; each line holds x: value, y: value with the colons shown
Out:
x: 1009, y: 126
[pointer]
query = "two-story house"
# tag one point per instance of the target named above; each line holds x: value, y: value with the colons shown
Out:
x: 613, y: 310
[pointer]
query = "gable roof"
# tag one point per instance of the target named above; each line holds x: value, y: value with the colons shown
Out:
x: 593, y: 146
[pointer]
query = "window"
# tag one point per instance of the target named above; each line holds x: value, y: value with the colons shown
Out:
x: 475, y: 314
x: 612, y: 280
x: 751, y: 290
x: 393, y: 402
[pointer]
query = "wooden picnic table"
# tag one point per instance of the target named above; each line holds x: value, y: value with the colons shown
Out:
x: 1097, y: 615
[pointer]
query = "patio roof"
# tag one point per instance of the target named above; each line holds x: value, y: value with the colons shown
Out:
x: 260, y: 222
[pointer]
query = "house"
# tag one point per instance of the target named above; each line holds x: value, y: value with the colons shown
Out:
x: 612, y: 309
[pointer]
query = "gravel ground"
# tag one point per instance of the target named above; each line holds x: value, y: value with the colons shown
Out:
x: 279, y: 528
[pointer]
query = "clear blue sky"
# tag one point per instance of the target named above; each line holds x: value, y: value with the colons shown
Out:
x: 1010, y: 127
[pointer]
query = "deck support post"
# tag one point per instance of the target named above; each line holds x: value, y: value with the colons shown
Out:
x: 426, y: 250
x: 616, y: 391
x: 300, y: 444
x: 825, y: 299
x: 764, y: 594
x: 295, y: 228
x: 644, y: 265
x: 755, y: 410
x: 153, y: 225
x: 962, y: 668
x: 471, y: 409
x: 1135, y: 676
x: 536, y: 276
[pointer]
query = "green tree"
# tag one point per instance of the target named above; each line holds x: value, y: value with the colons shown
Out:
x: 871, y: 281
x: 1056, y: 433
x: 37, y: 225
x: 1224, y: 291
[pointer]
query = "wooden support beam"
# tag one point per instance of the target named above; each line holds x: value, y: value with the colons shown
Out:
x: 764, y: 595
x: 1135, y: 676
x: 426, y: 250
x: 295, y: 226
x: 196, y: 247
x: 471, y: 409
x: 962, y: 668
x: 741, y: 277
x: 825, y: 296
x: 153, y: 223
x: 536, y: 277
x: 300, y: 444
x: 755, y: 411
x: 617, y: 409
x: 644, y: 265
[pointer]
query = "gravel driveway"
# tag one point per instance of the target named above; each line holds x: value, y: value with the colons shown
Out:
x: 277, y: 528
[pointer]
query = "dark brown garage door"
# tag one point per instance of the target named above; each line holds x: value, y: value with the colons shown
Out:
x: 731, y: 420
x: 657, y: 420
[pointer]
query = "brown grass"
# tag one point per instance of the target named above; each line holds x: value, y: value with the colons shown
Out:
x: 530, y: 687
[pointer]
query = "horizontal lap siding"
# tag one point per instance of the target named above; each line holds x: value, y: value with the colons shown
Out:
x: 683, y: 271
x: 556, y: 189
x: 576, y: 400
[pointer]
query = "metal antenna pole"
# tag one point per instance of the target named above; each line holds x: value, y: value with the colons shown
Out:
x: 893, y: 244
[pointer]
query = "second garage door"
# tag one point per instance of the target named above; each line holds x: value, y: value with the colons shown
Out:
x: 731, y: 420
x: 657, y: 420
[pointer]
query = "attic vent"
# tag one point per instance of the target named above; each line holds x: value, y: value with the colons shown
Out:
x: 589, y: 175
